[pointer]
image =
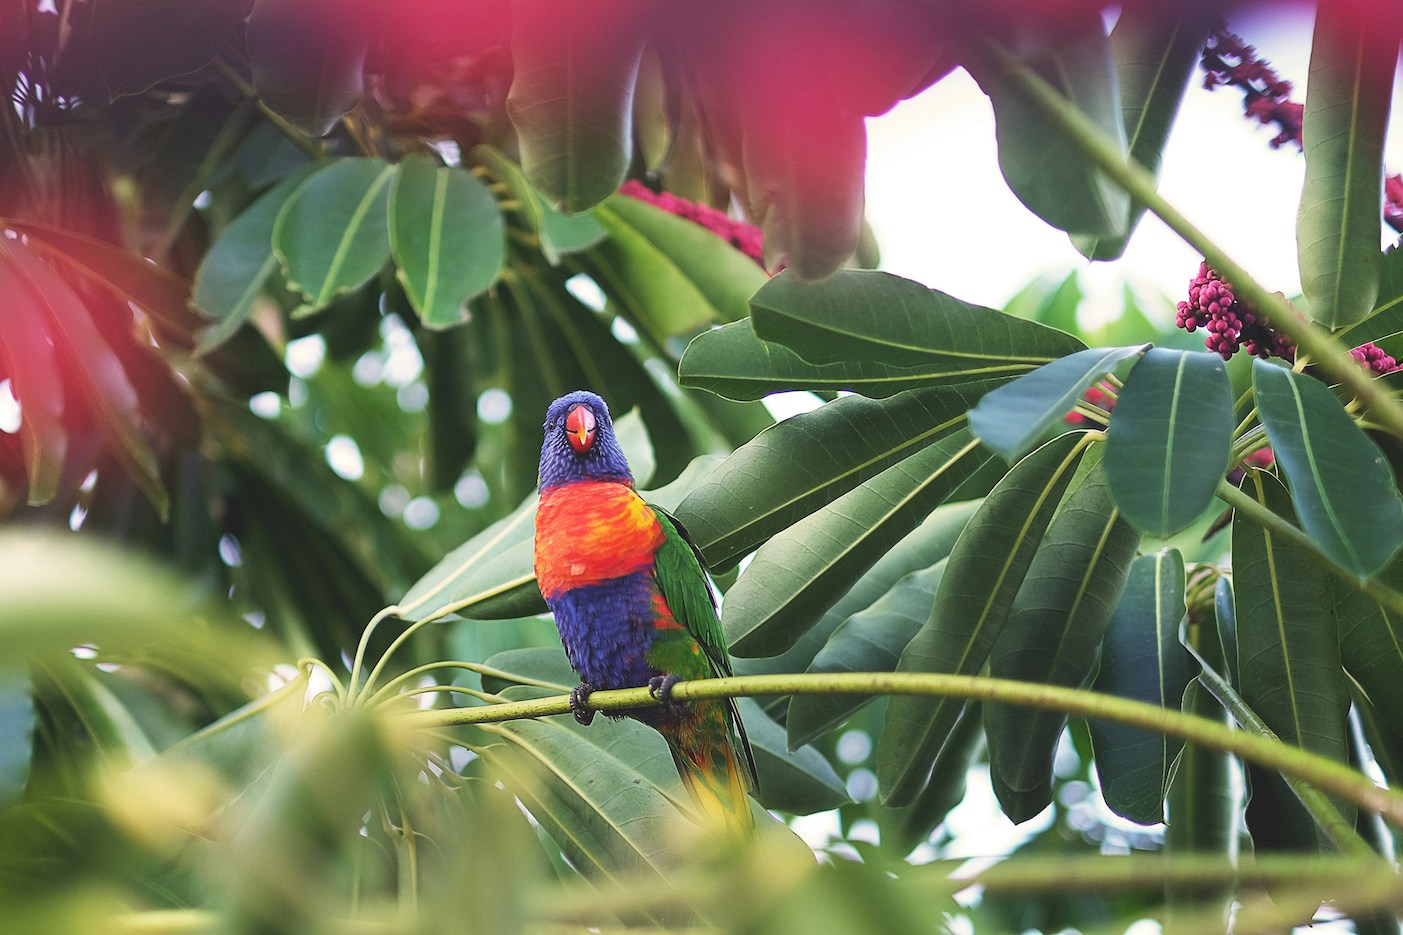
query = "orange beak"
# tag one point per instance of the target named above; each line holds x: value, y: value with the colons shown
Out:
x: 580, y: 428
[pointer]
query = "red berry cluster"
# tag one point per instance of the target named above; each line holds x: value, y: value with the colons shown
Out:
x: 1230, y: 324
x: 744, y: 237
x: 1393, y: 202
x: 1227, y: 60
x: 1372, y: 357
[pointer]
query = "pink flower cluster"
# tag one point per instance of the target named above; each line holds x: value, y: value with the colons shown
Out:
x: 744, y: 237
x: 1373, y: 358
x: 1230, y: 324
x: 1227, y: 60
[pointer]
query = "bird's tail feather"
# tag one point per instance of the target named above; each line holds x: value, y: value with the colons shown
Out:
x: 714, y: 778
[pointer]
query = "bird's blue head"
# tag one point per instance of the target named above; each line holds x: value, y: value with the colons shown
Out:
x: 579, y: 444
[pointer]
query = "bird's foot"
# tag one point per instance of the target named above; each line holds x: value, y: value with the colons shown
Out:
x: 660, y: 687
x: 579, y: 703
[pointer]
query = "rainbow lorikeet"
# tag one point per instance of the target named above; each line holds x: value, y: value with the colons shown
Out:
x: 632, y: 602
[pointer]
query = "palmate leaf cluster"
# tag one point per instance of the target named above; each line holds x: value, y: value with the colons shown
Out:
x: 245, y: 236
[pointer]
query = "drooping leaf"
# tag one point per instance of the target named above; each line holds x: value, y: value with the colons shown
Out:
x: 97, y: 372
x: 1012, y: 418
x: 1371, y: 645
x: 800, y: 781
x: 1168, y: 443
x: 1053, y: 635
x: 560, y: 234
x: 307, y: 58
x: 1341, y: 484
x: 331, y: 234
x: 1155, y: 49
x: 237, y: 266
x: 804, y: 462
x: 1048, y: 173
x: 800, y: 572
x: 912, y: 825
x: 871, y: 640
x: 446, y: 236
x: 861, y: 315
x: 1143, y: 659
x: 982, y: 576
x: 1288, y: 661
x: 29, y: 359
x: 573, y: 73
x: 139, y: 43
x: 1387, y: 317
x: 1352, y: 59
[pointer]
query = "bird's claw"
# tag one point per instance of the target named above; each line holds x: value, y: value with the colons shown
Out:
x: 660, y: 687
x: 579, y: 703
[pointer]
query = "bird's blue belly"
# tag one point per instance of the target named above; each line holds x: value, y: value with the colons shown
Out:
x: 607, y: 630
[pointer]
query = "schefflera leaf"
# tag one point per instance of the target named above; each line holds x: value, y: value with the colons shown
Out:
x: 1142, y: 659
x: 1288, y: 662
x: 982, y: 576
x: 1341, y: 483
x: 1353, y: 53
x: 1053, y: 635
x: 1371, y: 645
x: 1012, y: 418
x: 446, y: 236
x: 1170, y: 438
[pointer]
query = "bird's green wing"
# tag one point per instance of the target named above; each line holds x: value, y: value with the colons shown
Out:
x: 688, y: 594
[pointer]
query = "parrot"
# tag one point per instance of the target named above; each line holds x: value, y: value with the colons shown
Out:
x: 633, y: 604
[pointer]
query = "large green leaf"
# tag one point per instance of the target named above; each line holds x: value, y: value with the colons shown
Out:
x: 799, y: 781
x: 1387, y: 317
x: 1371, y: 645
x: 447, y: 237
x: 237, y: 266
x: 86, y: 357
x: 560, y: 234
x: 332, y: 234
x: 1352, y: 59
x: 1288, y: 660
x: 307, y: 59
x: 1047, y: 172
x: 1155, y: 48
x: 29, y: 358
x: 860, y: 315
x: 1142, y: 659
x: 1168, y: 443
x: 910, y: 826
x: 573, y: 73
x: 1012, y: 418
x: 871, y: 640
x: 732, y: 362
x: 1340, y: 482
x: 805, y: 462
x: 1053, y: 635
x: 800, y: 572
x: 982, y: 576
x: 16, y: 730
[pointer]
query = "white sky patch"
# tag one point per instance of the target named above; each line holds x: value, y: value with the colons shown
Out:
x: 344, y: 457
x: 9, y: 408
x: 586, y: 290
x: 420, y: 513
x: 494, y: 406
x: 471, y: 490
x: 266, y: 405
x: 304, y: 356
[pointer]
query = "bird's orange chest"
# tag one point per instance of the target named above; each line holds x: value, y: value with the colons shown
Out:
x: 590, y: 532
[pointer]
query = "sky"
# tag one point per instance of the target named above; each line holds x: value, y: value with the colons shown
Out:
x: 944, y: 217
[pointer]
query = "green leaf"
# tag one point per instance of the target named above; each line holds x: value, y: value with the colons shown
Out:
x: 1054, y: 305
x: 910, y: 826
x: 1169, y: 441
x: 860, y: 315
x: 637, y: 446
x: 237, y: 266
x: 1051, y: 176
x: 1340, y: 481
x: 86, y: 357
x: 1053, y: 635
x: 871, y: 640
x: 1012, y: 418
x: 29, y: 357
x: 307, y: 58
x: 1155, y: 49
x: 16, y: 733
x: 1371, y: 645
x: 453, y: 426
x: 332, y: 234
x: 573, y: 73
x: 1386, y: 319
x: 1288, y: 659
x: 1346, y: 115
x: 138, y: 43
x: 1223, y: 603
x: 982, y: 576
x: 800, y: 782
x: 805, y: 462
x: 732, y: 362
x: 673, y: 276
x: 1142, y: 659
x: 446, y: 235
x: 800, y: 572
x: 560, y: 234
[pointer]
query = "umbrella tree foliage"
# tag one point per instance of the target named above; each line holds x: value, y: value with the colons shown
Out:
x: 288, y: 285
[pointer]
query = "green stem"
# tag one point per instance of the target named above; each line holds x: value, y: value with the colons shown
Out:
x: 476, y: 667
x: 1141, y: 186
x: 299, y: 139
x: 1277, y: 526
x: 1322, y: 772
